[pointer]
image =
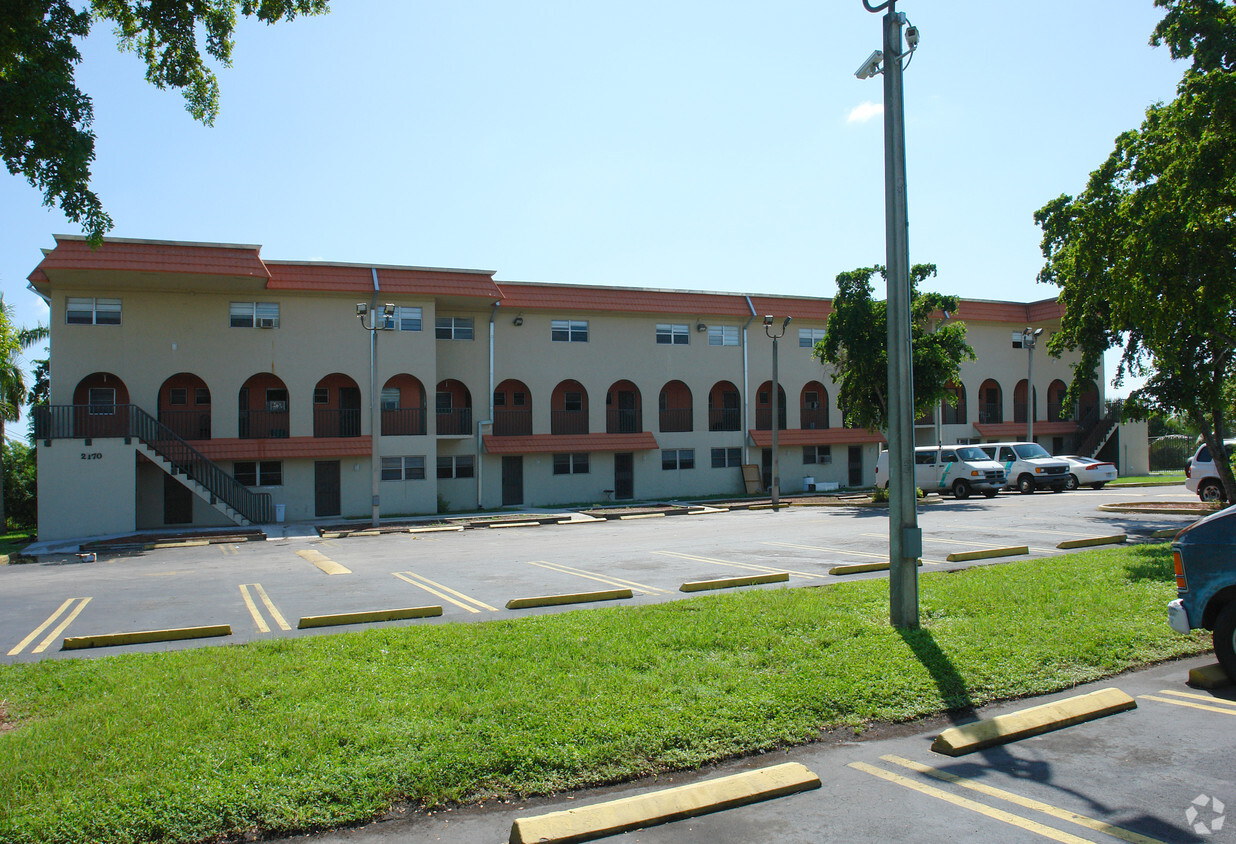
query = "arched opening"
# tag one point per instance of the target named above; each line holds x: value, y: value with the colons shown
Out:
x: 1056, y: 411
x: 953, y: 410
x: 674, y: 406
x: 99, y: 406
x: 814, y: 406
x: 622, y: 409
x: 184, y: 406
x: 403, y: 406
x: 763, y: 407
x: 1020, y: 407
x: 336, y: 407
x: 568, y: 408
x: 991, y: 402
x: 1088, y: 405
x: 454, y: 408
x: 724, y: 407
x: 512, y: 409
x: 263, y: 405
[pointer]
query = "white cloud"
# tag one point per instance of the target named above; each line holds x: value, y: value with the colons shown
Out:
x: 864, y: 112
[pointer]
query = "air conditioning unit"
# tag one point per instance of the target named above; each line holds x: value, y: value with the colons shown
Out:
x: 266, y: 322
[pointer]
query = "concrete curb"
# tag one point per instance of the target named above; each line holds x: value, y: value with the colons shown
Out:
x: 1166, y: 533
x: 1209, y: 677
x: 443, y: 529
x: 687, y: 801
x: 860, y: 568
x: 633, y: 516
x: 497, y: 525
x: 958, y: 741
x: 1155, y: 511
x: 569, y: 598
x: 367, y: 617
x: 776, y: 506
x: 1090, y: 542
x: 990, y: 553
x: 141, y: 637
x: 728, y: 582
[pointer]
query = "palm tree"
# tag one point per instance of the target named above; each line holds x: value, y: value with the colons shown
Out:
x: 12, y: 380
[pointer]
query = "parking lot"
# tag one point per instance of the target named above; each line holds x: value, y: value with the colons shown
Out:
x: 262, y: 590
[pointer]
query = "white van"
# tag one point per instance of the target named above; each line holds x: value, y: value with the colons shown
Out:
x: 960, y: 469
x: 1029, y: 466
x: 1201, y: 478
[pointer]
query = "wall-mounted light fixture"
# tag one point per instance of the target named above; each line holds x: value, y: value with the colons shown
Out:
x: 519, y: 320
x: 699, y: 326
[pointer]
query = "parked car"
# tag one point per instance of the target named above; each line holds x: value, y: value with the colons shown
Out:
x: 959, y: 469
x: 1200, y: 475
x: 1086, y: 471
x: 1204, y: 555
x: 1028, y: 466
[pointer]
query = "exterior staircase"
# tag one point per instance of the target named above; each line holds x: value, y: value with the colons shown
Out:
x: 1099, y: 432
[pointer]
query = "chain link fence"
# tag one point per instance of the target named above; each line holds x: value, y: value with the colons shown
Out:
x: 1169, y: 453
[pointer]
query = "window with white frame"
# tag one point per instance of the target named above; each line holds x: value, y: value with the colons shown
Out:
x: 407, y: 468
x: 673, y: 459
x: 90, y: 311
x: 673, y: 334
x: 724, y: 458
x: 390, y: 398
x: 459, y: 466
x: 258, y: 473
x: 453, y: 328
x: 102, y: 401
x: 253, y: 315
x: 723, y: 335
x: 404, y: 319
x: 321, y: 395
x: 820, y: 454
x: 178, y: 396
x: 568, y: 330
x: 571, y: 464
x: 808, y: 337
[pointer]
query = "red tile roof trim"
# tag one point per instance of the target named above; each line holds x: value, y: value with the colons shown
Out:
x: 392, y: 281
x: 152, y: 256
x: 1017, y: 430
x: 564, y: 443
x: 816, y: 436
x: 283, y: 449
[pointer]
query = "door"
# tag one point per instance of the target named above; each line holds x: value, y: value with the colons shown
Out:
x: 627, y: 421
x: 512, y: 480
x: 326, y: 488
x: 856, y: 465
x: 624, y: 476
x: 349, y: 412
x: 766, y: 469
x: 177, y: 502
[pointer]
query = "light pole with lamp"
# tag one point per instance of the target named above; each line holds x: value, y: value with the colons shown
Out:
x: 1028, y: 338
x: 940, y: 406
x: 377, y: 322
x: 775, y: 401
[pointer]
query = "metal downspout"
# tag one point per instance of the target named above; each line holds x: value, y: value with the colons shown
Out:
x: 745, y: 386
x: 480, y: 455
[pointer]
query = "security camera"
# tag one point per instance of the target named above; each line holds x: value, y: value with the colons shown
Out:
x: 912, y: 37
x: 870, y: 67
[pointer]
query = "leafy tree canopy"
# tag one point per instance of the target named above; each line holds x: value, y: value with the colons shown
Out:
x: 45, y: 119
x: 855, y: 345
x: 1145, y: 256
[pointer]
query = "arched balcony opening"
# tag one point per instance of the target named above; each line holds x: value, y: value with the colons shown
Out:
x: 763, y: 407
x: 724, y: 407
x: 623, y: 413
x: 512, y: 409
x: 336, y: 407
x: 954, y: 412
x: 813, y: 406
x: 991, y: 402
x: 568, y: 408
x: 263, y: 406
x: 1088, y: 411
x: 675, y: 408
x: 184, y: 406
x: 1056, y: 409
x: 1020, y: 406
x: 403, y: 407
x: 454, y: 408
x: 100, y: 406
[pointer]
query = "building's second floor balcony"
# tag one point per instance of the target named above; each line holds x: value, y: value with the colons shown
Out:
x: 403, y: 422
x: 1019, y: 412
x: 337, y: 423
x: 455, y: 422
x: 512, y: 423
x: 262, y: 424
x: 724, y: 419
x: 676, y: 420
x: 990, y: 414
x: 187, y: 424
x: 568, y: 422
x: 813, y: 418
x: 763, y: 419
x: 623, y: 421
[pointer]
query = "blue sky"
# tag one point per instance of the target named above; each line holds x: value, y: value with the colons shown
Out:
x: 709, y: 146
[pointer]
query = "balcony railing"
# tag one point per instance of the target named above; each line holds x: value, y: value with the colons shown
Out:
x: 814, y: 418
x: 337, y: 423
x: 455, y: 422
x: 403, y: 422
x: 263, y: 425
x: 950, y: 415
x: 724, y: 419
x: 1056, y: 412
x: 1019, y: 412
x: 187, y: 424
x: 623, y: 422
x: 763, y: 419
x: 568, y: 422
x: 676, y: 420
x: 990, y: 414
x: 512, y: 423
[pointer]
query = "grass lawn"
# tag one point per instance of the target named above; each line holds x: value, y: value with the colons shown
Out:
x: 14, y: 540
x: 291, y: 734
x: 1153, y: 478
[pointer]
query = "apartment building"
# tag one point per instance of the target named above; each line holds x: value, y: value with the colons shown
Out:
x: 201, y: 384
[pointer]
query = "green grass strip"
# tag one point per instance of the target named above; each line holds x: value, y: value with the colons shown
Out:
x: 292, y: 734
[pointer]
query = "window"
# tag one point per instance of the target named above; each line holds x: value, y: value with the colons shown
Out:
x: 808, y: 337
x: 277, y: 400
x: 201, y: 395
x: 102, y: 401
x: 723, y: 458
x: 723, y: 335
x: 254, y: 315
x: 410, y: 468
x: 321, y: 395
x: 811, y: 400
x: 404, y: 319
x: 259, y: 473
x: 390, y: 398
x: 460, y: 466
x: 569, y: 330
x: 79, y: 311
x: 572, y: 401
x: 453, y: 328
x: 442, y: 402
x: 519, y: 399
x: 925, y: 458
x: 820, y: 454
x: 177, y: 396
x: 499, y: 399
x: 677, y: 458
x: 571, y: 464
x: 672, y: 334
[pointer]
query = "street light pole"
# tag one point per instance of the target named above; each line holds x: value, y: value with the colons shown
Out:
x: 376, y: 323
x: 776, y: 407
x: 1028, y: 338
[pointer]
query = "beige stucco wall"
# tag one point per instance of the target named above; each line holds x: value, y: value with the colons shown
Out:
x: 93, y: 492
x: 1134, y: 449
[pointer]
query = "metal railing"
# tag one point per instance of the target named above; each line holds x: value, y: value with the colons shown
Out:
x: 990, y: 414
x: 813, y: 418
x: 512, y: 423
x: 455, y: 422
x: 622, y: 421
x: 188, y: 424
x: 568, y: 422
x: 675, y: 420
x: 262, y: 425
x: 403, y: 422
x: 342, y: 422
x: 724, y: 419
x: 763, y: 419
x: 128, y: 420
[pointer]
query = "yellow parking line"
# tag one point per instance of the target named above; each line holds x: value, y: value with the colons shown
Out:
x: 228, y: 549
x: 253, y: 610
x: 21, y: 646
x: 51, y: 637
x: 965, y: 542
x: 443, y: 592
x: 612, y: 581
x: 1201, y: 706
x: 733, y: 565
x: 324, y: 563
x: 883, y: 556
x: 1025, y: 802
x: 270, y: 607
x: 1207, y: 698
x: 973, y: 806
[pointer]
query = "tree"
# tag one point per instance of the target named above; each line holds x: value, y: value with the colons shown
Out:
x: 21, y: 489
x: 12, y: 381
x: 1144, y: 256
x: 45, y: 119
x: 855, y: 344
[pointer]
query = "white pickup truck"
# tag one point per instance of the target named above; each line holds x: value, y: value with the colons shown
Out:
x: 1029, y: 466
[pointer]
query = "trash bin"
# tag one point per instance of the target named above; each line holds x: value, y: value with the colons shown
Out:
x: 808, y: 484
x: 279, y: 510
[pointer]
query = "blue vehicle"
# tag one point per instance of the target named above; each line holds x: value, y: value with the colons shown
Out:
x: 1205, y: 558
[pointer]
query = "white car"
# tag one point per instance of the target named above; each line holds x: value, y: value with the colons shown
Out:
x: 1201, y: 478
x: 1086, y: 471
